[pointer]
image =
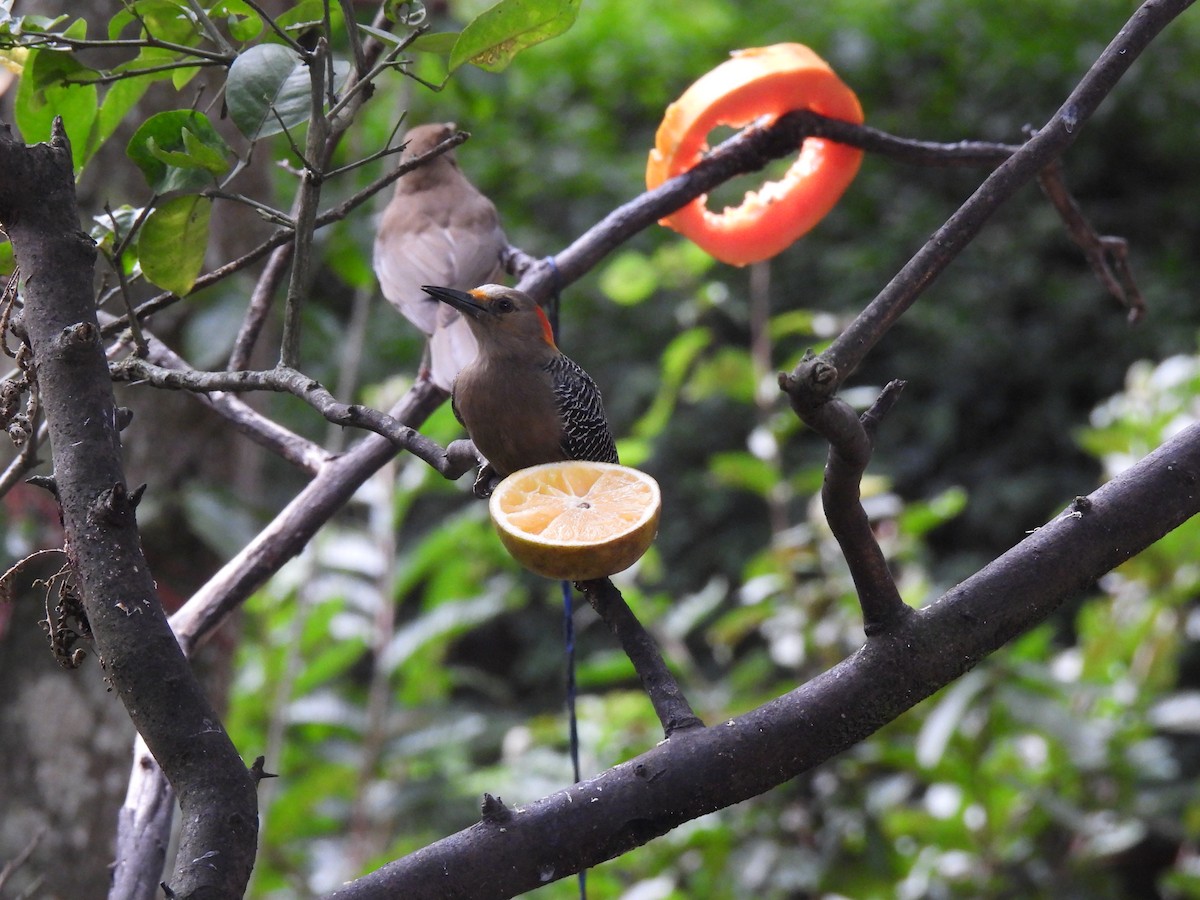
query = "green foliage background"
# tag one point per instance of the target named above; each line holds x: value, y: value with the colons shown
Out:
x: 404, y: 665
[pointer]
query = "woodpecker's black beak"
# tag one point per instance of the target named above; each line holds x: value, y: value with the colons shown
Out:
x: 460, y: 300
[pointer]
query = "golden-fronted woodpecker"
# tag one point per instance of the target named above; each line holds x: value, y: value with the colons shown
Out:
x: 521, y: 400
x: 439, y: 229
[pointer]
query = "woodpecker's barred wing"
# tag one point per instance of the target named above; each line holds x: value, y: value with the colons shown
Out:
x: 586, y: 434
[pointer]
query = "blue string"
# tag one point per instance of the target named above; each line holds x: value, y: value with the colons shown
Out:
x: 573, y: 721
x: 568, y: 606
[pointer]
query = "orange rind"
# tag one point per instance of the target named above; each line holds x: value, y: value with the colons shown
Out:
x: 576, y: 520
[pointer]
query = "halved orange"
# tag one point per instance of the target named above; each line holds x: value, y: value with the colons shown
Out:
x: 576, y: 520
x: 760, y: 83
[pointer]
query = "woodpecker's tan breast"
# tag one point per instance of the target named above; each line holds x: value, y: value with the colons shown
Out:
x: 523, y: 412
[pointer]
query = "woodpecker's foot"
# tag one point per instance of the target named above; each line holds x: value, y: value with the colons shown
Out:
x: 486, y: 481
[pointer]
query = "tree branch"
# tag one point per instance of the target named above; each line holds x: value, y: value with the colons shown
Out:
x: 701, y: 770
x: 851, y: 441
x: 296, y: 524
x: 315, y: 158
x: 672, y: 708
x: 141, y: 658
x: 265, y: 432
x: 1047, y: 145
x: 452, y: 462
x: 1107, y: 255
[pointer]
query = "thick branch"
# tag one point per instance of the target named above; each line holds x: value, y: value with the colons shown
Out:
x: 748, y: 151
x: 140, y: 656
x: 701, y: 770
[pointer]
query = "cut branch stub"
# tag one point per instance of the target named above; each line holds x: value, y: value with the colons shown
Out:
x: 813, y: 384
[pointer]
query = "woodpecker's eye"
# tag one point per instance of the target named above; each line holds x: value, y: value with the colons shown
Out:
x: 504, y: 306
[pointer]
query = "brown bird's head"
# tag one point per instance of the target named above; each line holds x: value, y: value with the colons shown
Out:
x: 500, y: 317
x: 442, y: 169
x: 423, y: 138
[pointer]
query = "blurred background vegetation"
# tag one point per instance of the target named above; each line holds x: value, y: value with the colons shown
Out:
x: 404, y: 665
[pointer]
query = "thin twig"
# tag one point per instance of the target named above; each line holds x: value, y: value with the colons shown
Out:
x: 54, y: 40
x: 269, y: 213
x: 210, y: 29
x: 265, y: 432
x: 452, y: 462
x: 1107, y: 255
x: 356, y: 47
x: 115, y: 261
x: 280, y: 32
x: 259, y: 307
x: 12, y: 865
x: 309, y: 199
x: 126, y: 74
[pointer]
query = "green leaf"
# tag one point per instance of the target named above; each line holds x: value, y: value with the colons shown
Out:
x: 308, y: 15
x: 920, y: 518
x: 213, y: 158
x: 243, y: 22
x: 180, y: 77
x: 173, y: 241
x: 677, y: 360
x: 406, y: 12
x: 55, y: 68
x: 743, y: 470
x: 441, y: 42
x: 13, y: 26
x: 266, y: 77
x: 500, y: 33
x: 109, y: 228
x: 118, y: 101
x: 178, y: 150
x: 54, y: 84
x: 171, y: 21
x: 629, y: 278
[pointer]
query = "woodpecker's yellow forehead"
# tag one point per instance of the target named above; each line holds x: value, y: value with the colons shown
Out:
x: 488, y: 293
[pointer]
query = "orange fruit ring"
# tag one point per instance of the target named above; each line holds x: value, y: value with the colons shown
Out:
x: 576, y: 520
x: 756, y: 83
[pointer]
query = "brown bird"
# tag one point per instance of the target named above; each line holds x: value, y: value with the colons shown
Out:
x: 439, y: 229
x: 521, y: 400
